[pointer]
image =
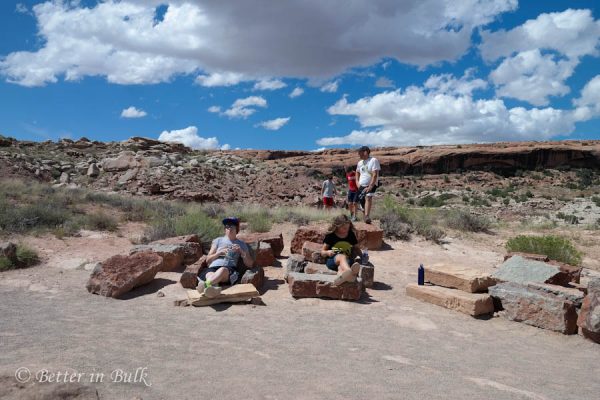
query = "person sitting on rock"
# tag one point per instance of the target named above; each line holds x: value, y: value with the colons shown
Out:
x: 222, y: 260
x: 338, y: 246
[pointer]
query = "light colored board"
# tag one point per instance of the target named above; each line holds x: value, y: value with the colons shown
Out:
x: 233, y: 294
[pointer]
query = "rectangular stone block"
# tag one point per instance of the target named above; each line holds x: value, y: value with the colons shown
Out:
x: 312, y: 252
x: 320, y: 285
x: 462, y: 278
x: 473, y: 304
x: 189, y: 278
x: 369, y: 236
x: 313, y: 268
x: 294, y: 263
x: 536, y: 307
x: 264, y: 255
x: 367, y: 274
x: 272, y: 238
x: 233, y: 294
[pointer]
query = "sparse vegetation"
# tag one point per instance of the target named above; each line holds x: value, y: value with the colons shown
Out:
x: 466, y: 221
x: 25, y: 257
x: 556, y: 247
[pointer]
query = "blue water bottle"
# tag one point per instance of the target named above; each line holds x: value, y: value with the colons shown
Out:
x: 421, y: 279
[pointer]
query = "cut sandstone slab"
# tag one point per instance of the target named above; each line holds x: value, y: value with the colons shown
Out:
x: 473, y: 304
x: 294, y: 263
x: 589, y: 316
x: 367, y: 274
x: 175, y: 254
x: 314, y: 268
x: 314, y: 234
x: 369, y: 236
x: 320, y: 285
x: 274, y: 239
x: 189, y: 278
x: 233, y: 294
x: 312, y: 252
x: 264, y: 255
x: 462, y: 278
x: 119, y: 274
x: 534, y: 306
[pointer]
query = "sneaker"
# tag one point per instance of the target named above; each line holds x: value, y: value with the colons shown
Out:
x: 201, y: 286
x: 355, y: 268
x: 212, y: 291
x: 367, y: 220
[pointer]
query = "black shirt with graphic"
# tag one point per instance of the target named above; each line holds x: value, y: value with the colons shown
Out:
x: 343, y: 245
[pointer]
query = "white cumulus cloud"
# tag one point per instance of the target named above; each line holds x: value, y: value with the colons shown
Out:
x: 243, y: 108
x: 274, y: 124
x: 133, y: 112
x: 128, y: 42
x: 297, y: 92
x: 419, y: 115
x: 330, y: 87
x: 189, y: 137
x: 214, y: 109
x: 269, y: 84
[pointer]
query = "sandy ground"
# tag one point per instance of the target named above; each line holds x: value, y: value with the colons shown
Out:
x: 386, y: 346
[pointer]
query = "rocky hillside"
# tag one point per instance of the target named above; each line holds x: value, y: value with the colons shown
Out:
x: 148, y: 167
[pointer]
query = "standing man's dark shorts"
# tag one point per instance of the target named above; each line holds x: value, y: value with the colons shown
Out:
x: 352, y: 196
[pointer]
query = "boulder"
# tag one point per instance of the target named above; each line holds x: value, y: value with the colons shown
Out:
x: 294, y: 263
x: 93, y: 170
x: 274, y: 239
x: 172, y: 254
x: 189, y: 278
x: 573, y: 273
x: 367, y: 274
x: 320, y: 285
x: 119, y: 274
x: 192, y: 248
x: 473, y: 304
x: 64, y: 178
x: 369, y: 236
x: 312, y: 252
x: 126, y: 160
x: 457, y: 277
x: 589, y: 316
x: 128, y: 175
x: 264, y: 255
x: 303, y: 234
x: 255, y: 276
x: 536, y: 307
x: 521, y: 270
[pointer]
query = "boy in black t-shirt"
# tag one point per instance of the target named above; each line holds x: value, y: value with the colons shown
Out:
x: 338, y: 248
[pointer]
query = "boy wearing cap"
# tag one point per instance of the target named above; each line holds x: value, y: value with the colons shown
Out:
x: 223, y: 258
x: 367, y: 178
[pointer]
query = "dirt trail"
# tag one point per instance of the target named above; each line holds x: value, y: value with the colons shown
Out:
x: 386, y: 346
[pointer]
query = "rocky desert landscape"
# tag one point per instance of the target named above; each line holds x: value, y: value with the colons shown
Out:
x: 455, y: 209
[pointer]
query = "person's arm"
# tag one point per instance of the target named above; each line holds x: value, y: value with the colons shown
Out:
x: 374, y: 177
x: 213, y: 254
x: 323, y: 189
x: 357, y: 177
x: 325, y: 252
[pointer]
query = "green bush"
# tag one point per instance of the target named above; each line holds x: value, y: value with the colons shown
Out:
x: 555, y: 247
x: 568, y: 218
x: 26, y: 256
x: 100, y: 221
x: 5, y: 264
x: 260, y: 222
x: 394, y: 226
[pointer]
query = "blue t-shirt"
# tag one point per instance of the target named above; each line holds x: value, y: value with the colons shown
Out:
x: 222, y: 242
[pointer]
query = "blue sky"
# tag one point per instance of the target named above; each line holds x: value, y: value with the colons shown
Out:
x: 300, y: 74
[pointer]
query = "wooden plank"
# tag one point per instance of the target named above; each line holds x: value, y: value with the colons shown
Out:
x: 232, y: 294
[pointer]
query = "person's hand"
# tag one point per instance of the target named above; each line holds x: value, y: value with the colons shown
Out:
x: 222, y: 252
x: 330, y: 253
x: 236, y: 248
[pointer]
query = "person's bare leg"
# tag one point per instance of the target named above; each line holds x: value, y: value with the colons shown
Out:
x: 368, y: 204
x: 342, y: 263
x: 346, y: 273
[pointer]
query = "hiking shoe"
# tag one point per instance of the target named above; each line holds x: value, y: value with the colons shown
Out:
x: 355, y: 268
x: 367, y: 220
x: 212, y: 291
x: 201, y: 286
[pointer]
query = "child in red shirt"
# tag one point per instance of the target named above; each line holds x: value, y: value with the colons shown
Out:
x: 352, y: 192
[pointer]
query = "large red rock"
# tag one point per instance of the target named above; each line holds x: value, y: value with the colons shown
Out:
x: 537, y: 307
x: 274, y: 239
x: 303, y: 234
x: 189, y: 277
x: 119, y: 274
x: 192, y: 247
x: 314, y: 268
x: 589, y: 316
x: 319, y: 285
x: 264, y: 255
x: 172, y: 254
x: 312, y: 252
x: 369, y: 236
x: 255, y: 276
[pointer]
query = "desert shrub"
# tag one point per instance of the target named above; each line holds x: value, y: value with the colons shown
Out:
x: 101, y: 222
x: 5, y: 264
x: 465, y: 221
x: 197, y: 222
x: 159, y: 229
x: 433, y: 201
x: 394, y: 227
x: 556, y: 247
x: 424, y: 222
x: 26, y: 257
x: 568, y: 218
x: 260, y: 222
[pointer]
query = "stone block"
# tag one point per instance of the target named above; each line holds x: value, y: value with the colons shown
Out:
x: 314, y: 268
x: 529, y: 256
x: 274, y: 239
x: 312, y: 252
x: 189, y: 278
x: 232, y: 294
x: 457, y: 277
x: 367, y: 274
x: 264, y: 255
x: 521, y: 270
x: 312, y: 233
x: 255, y: 276
x: 536, y: 307
x: 192, y: 248
x: 369, y: 236
x: 571, y: 272
x: 473, y: 304
x: 172, y: 254
x: 119, y: 274
x: 589, y: 316
x: 320, y: 285
x: 294, y: 263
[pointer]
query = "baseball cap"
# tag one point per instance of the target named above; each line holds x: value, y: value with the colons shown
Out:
x: 231, y: 221
x: 364, y: 148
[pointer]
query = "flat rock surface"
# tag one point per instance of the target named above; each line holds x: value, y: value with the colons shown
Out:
x: 522, y: 270
x: 454, y: 299
x: 459, y: 277
x: 391, y: 345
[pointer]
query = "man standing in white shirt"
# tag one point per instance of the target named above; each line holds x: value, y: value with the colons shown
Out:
x: 367, y: 179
